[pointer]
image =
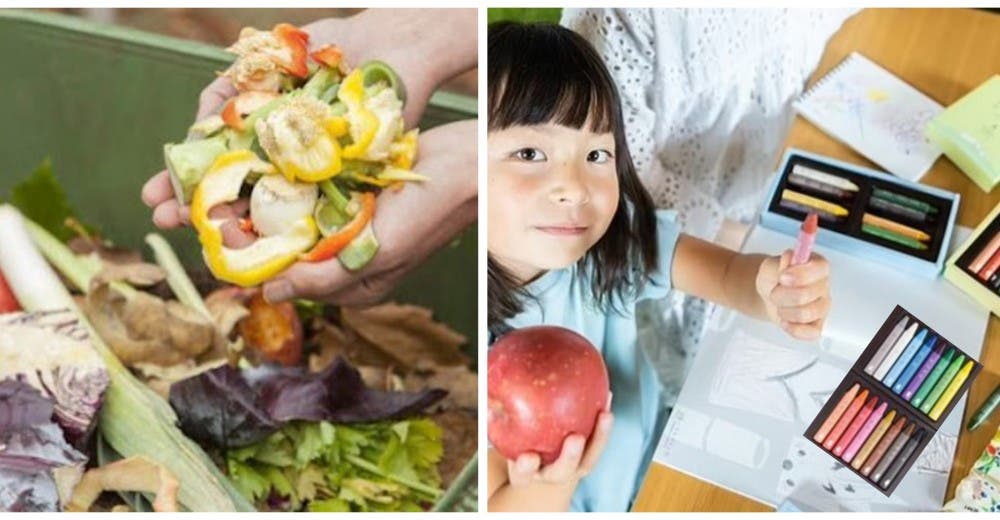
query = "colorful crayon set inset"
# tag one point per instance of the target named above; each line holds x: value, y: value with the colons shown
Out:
x: 891, y: 215
x: 893, y: 400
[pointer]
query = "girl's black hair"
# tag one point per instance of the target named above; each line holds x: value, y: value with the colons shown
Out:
x: 544, y: 73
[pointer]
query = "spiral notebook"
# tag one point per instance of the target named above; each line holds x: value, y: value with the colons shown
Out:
x: 876, y: 113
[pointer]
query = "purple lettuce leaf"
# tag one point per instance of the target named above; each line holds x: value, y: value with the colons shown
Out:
x: 339, y: 395
x: 219, y: 407
x: 230, y: 409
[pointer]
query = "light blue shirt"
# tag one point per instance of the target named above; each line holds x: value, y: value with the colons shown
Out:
x: 566, y: 300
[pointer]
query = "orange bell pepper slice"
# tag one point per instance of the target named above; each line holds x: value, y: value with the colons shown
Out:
x: 330, y: 246
x: 297, y: 42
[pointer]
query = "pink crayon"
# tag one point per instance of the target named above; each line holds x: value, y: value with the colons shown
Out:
x: 807, y: 237
x: 865, y: 431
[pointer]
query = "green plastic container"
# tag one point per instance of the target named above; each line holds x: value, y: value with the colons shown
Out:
x: 101, y: 101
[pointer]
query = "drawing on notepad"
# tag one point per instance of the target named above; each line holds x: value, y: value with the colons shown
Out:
x: 756, y: 376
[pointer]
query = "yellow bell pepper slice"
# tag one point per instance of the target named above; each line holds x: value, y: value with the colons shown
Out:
x: 404, y: 150
x: 363, y: 122
x: 265, y: 257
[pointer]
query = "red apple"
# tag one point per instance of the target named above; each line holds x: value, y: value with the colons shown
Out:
x: 543, y: 384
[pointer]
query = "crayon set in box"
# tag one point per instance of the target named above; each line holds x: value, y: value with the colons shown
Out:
x: 893, y: 400
x: 863, y: 212
x: 975, y: 267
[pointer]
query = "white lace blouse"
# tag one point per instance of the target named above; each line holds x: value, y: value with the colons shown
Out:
x: 707, y: 97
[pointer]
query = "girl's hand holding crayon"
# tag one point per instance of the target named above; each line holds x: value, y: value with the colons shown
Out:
x: 797, y: 297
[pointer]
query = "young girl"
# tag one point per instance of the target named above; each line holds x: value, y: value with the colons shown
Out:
x: 574, y: 241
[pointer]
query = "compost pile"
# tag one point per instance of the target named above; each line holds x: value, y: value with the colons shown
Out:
x: 126, y: 384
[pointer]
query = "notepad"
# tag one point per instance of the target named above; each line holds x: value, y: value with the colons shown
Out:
x: 879, y: 115
x: 969, y: 133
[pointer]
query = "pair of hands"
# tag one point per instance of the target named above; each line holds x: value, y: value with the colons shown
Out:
x: 410, y: 223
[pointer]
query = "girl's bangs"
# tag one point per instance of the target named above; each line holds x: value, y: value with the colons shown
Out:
x: 548, y: 76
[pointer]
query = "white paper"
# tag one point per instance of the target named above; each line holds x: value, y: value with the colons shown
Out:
x: 876, y: 113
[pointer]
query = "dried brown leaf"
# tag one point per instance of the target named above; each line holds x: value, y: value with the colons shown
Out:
x: 131, y: 474
x: 140, y: 327
x: 408, y: 334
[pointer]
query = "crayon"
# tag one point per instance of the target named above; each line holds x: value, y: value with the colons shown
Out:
x: 897, y: 211
x: 942, y: 384
x: 904, y: 455
x: 866, y: 430
x: 876, y: 435
x: 795, y: 206
x: 897, y: 349
x: 838, y: 410
x: 928, y: 385
x: 883, y: 445
x: 903, y: 200
x: 925, y: 370
x: 826, y: 178
x: 805, y: 183
x: 886, y: 346
x: 984, y: 411
x: 994, y: 282
x: 895, y: 227
x: 845, y: 420
x: 815, y: 203
x: 855, y: 426
x: 984, y: 256
x: 911, y: 369
x: 905, y: 357
x: 893, y: 452
x: 807, y: 237
x: 885, y: 234
x: 990, y: 268
x: 949, y: 393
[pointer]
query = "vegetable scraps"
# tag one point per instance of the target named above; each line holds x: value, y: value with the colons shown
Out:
x: 133, y: 419
x: 313, y: 138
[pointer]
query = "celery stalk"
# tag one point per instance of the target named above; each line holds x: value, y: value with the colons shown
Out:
x: 187, y: 163
x: 360, y: 251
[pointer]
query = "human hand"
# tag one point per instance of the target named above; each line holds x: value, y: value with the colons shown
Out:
x: 576, y: 460
x: 797, y: 297
x: 424, y: 46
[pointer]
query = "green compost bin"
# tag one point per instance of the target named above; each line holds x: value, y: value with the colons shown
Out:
x: 100, y: 101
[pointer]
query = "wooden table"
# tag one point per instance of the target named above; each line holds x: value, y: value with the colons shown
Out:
x: 944, y: 53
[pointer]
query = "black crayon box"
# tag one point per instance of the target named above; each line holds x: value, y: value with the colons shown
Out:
x: 893, y: 401
x: 863, y: 212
